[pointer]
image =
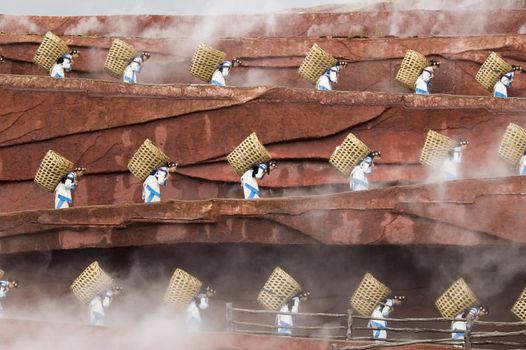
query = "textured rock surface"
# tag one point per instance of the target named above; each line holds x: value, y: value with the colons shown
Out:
x: 100, y: 124
x: 464, y: 212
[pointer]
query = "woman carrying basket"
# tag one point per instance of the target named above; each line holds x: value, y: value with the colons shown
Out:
x: 501, y: 87
x: 152, y: 185
x: 379, y: 313
x: 63, y: 64
x: 257, y: 172
x: 284, y: 322
x: 134, y: 68
x: 458, y: 327
x: 218, y: 77
x: 65, y: 188
x: 193, y: 315
x: 329, y: 77
x: 359, y: 173
x: 424, y: 79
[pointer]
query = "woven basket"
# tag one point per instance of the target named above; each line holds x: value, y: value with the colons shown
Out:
x: 182, y: 289
x: 411, y: 68
x: 120, y: 55
x: 455, y: 299
x: 513, y: 144
x: 279, y: 289
x: 348, y: 154
x: 51, y: 48
x: 145, y: 159
x: 2, y: 273
x: 91, y: 282
x: 248, y: 153
x: 315, y: 63
x: 205, y: 61
x: 369, y: 293
x: 519, y: 308
x: 52, y: 168
x: 491, y: 71
x: 435, y: 148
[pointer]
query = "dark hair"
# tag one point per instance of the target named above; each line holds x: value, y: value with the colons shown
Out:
x: 60, y: 60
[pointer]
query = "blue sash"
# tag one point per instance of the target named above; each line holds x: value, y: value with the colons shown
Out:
x: 421, y: 92
x: 217, y: 83
x: 61, y: 200
x: 152, y: 195
x: 499, y: 94
x: 253, y: 191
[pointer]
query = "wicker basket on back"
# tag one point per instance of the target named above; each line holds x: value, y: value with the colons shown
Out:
x: 346, y: 156
x: 145, y: 159
x: 315, y: 63
x: 51, y: 48
x: 411, y: 68
x: 91, y: 282
x: 491, y: 71
x: 52, y: 168
x: 120, y: 55
x: 248, y: 153
x: 519, y: 308
x: 435, y: 148
x: 370, y: 292
x: 205, y: 61
x: 455, y: 299
x: 513, y: 144
x: 182, y: 289
x: 279, y: 289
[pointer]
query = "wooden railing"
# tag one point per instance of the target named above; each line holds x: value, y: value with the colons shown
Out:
x: 354, y: 327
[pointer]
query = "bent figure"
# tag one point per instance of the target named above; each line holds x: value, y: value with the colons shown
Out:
x: 65, y: 188
x: 359, y: 174
x: 285, y: 322
x: 250, y: 177
x: 133, y: 69
x: 459, y: 326
x: 379, y: 313
x: 329, y: 77
x: 63, y: 64
x: 5, y: 287
x: 99, y: 303
x: 193, y: 318
x: 424, y: 79
x: 151, y: 191
x: 453, y: 160
x: 222, y: 71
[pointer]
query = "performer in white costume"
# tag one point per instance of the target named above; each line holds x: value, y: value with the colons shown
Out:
x: 193, y: 318
x: 424, y: 79
x: 152, y: 185
x: 285, y: 322
x: 5, y: 286
x: 501, y: 87
x: 522, y: 164
x: 329, y: 77
x: 458, y: 328
x: 358, y: 176
x: 218, y: 77
x: 379, y: 313
x: 65, y: 188
x: 250, y: 177
x: 451, y: 163
x: 64, y: 64
x: 134, y: 68
x: 98, y: 305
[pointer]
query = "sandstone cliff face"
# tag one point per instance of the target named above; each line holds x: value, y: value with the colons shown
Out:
x: 464, y: 212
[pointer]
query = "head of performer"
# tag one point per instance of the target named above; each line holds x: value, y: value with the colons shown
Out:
x: 367, y: 162
x: 172, y: 166
x: 507, y: 78
x: 483, y: 311
x: 435, y: 64
x: 79, y: 171
x: 225, y: 67
x: 304, y: 296
x: 210, y: 291
x: 138, y: 60
x: 116, y: 290
x: 266, y: 167
x: 334, y: 72
x: 455, y: 153
x: 12, y: 283
x: 398, y: 299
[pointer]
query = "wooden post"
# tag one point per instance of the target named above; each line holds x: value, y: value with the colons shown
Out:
x: 467, y: 335
x: 349, y: 323
x: 230, y: 326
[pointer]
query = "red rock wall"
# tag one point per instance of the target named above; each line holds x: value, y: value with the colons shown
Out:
x: 101, y: 124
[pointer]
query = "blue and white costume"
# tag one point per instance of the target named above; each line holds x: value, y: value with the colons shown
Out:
x: 522, y: 165
x: 3, y: 293
x: 96, y: 308
x: 133, y: 69
x: 423, y: 80
x: 450, y: 164
x: 249, y: 183
x: 458, y: 328
x: 381, y: 312
x: 193, y: 315
x: 501, y: 87
x: 63, y: 191
x: 152, y: 185
x: 285, y: 322
x: 359, y: 175
x: 329, y: 76
x: 58, y: 69
x: 218, y: 77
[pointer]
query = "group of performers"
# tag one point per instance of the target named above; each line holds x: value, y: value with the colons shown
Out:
x: 284, y: 322
x: 324, y: 82
x: 249, y: 180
